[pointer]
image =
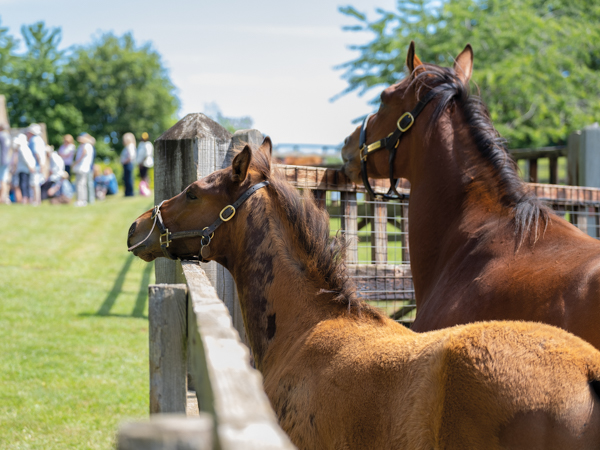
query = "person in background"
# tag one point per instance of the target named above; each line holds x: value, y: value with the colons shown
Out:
x: 52, y: 187
x: 25, y: 167
x: 145, y: 160
x: 38, y: 148
x: 127, y: 159
x: 67, y: 152
x: 5, y: 160
x: 82, y: 166
x: 106, y: 183
x: 90, y: 180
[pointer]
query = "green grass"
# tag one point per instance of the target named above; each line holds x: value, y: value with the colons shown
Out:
x: 73, y: 325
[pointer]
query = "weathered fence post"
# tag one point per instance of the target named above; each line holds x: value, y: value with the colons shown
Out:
x: 179, y: 153
x: 167, y: 432
x: 167, y: 311
x: 349, y: 223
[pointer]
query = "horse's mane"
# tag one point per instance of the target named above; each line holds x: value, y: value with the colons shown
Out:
x: 530, y: 216
x: 323, y: 255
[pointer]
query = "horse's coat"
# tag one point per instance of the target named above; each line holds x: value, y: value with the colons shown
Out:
x: 339, y: 374
x: 483, y: 247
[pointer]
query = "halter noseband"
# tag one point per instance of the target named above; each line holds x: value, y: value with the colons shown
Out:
x: 207, y: 233
x: 391, y: 143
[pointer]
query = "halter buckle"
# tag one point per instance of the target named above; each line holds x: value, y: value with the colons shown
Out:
x: 412, y: 120
x: 212, y: 235
x: 230, y: 214
x: 167, y: 238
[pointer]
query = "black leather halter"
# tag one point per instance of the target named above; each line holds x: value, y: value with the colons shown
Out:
x: 391, y: 143
x: 207, y: 233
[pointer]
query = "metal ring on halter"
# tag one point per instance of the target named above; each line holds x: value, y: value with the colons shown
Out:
x: 212, y: 235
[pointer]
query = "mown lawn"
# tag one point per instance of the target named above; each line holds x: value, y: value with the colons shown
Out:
x: 73, y: 325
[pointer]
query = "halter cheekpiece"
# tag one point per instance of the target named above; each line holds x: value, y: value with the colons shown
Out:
x: 206, y: 234
x: 391, y: 143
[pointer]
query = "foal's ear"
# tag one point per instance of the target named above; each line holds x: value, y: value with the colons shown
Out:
x: 267, y: 148
x: 412, y: 60
x: 463, y: 64
x: 240, y: 164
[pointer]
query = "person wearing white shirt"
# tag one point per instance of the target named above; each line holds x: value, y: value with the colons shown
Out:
x: 145, y: 160
x: 81, y: 167
x: 38, y: 148
x: 128, y: 159
x: 5, y: 158
x: 67, y: 152
x: 25, y: 166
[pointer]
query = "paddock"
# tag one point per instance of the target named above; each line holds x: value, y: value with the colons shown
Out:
x: 196, y: 331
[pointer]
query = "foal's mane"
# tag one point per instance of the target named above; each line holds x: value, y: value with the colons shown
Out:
x: 323, y: 256
x: 530, y: 216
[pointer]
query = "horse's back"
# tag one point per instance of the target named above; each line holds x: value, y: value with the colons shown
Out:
x: 518, y: 385
x: 554, y: 281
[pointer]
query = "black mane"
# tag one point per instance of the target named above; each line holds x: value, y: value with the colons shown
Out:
x: 530, y: 215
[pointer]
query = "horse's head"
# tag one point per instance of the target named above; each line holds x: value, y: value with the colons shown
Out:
x: 204, y: 203
x: 395, y: 125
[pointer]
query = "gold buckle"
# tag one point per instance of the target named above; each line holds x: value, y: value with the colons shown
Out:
x: 212, y: 235
x: 412, y: 120
x: 166, y: 235
x: 228, y: 218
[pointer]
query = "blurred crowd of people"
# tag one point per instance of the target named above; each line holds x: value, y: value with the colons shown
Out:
x: 32, y: 171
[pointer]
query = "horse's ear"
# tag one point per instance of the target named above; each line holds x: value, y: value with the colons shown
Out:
x: 267, y: 148
x: 240, y: 165
x: 463, y: 64
x: 412, y: 60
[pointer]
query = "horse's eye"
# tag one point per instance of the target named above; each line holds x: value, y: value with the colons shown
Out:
x: 190, y: 195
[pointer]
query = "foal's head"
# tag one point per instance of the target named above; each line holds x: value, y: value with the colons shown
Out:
x: 199, y: 206
x: 397, y: 100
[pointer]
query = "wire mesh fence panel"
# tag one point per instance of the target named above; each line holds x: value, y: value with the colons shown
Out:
x: 378, y: 257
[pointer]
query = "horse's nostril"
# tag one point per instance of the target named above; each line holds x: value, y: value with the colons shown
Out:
x: 131, y: 229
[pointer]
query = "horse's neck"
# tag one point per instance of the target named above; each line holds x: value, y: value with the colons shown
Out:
x: 279, y: 303
x: 446, y: 207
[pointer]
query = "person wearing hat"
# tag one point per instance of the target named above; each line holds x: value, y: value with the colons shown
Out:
x: 145, y: 160
x: 82, y: 166
x: 127, y: 159
x: 38, y: 148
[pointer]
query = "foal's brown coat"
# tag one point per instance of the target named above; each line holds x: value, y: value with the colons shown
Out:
x: 342, y: 376
x: 482, y: 246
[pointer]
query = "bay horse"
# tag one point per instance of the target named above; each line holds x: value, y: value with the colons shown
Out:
x: 483, y: 247
x: 341, y: 375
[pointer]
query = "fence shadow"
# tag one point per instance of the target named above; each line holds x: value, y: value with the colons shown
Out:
x: 111, y: 298
x: 140, y: 301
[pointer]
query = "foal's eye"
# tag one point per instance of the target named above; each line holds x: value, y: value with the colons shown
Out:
x: 190, y: 195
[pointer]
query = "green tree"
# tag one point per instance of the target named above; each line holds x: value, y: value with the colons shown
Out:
x: 33, y: 83
x: 120, y: 87
x: 537, y: 62
x: 7, y: 45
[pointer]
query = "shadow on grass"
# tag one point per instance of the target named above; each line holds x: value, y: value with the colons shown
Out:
x: 111, y: 298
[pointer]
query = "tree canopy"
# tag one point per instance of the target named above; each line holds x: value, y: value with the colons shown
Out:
x: 106, y: 88
x: 537, y: 62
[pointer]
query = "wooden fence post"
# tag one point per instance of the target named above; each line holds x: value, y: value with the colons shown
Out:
x: 349, y: 223
x: 167, y: 312
x: 379, y: 232
x: 167, y: 432
x: 178, y: 152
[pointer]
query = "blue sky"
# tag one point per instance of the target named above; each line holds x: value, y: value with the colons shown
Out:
x: 272, y: 60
